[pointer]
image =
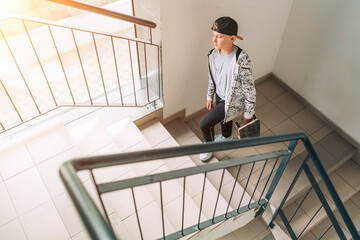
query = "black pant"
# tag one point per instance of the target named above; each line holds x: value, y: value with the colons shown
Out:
x: 215, y: 116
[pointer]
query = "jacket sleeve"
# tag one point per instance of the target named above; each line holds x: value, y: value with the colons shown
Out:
x: 211, y: 86
x: 248, y: 85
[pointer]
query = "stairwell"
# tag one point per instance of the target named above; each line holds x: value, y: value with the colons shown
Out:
x: 35, y: 204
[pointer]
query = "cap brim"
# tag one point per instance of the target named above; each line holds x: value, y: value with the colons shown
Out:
x: 239, y: 37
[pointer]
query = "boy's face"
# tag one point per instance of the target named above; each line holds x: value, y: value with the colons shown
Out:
x: 222, y: 40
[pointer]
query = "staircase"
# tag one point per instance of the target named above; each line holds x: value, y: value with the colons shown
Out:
x: 48, y: 212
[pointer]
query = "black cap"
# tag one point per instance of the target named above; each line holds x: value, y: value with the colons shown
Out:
x: 226, y: 25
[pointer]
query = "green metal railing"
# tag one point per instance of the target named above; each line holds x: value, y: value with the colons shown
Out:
x: 100, y: 227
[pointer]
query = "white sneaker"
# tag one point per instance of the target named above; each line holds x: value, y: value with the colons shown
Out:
x: 205, y: 156
x: 221, y: 138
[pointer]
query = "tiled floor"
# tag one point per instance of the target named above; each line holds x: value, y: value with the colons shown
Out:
x: 282, y: 113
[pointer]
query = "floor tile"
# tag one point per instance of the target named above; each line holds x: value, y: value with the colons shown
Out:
x: 13, y: 230
x: 84, y: 235
x: 154, y: 132
x: 260, y: 99
x: 90, y: 137
x: 244, y: 233
x: 308, y: 121
x: 331, y: 234
x: 150, y: 213
x: 229, y: 236
x: 48, y: 142
x: 27, y: 185
x: 195, y: 128
x: 179, y: 130
x: 69, y: 214
x: 344, y: 190
x: 309, y: 236
x: 356, y: 199
x: 350, y: 173
x: 7, y: 209
x: 321, y: 133
x: 285, y: 127
x: 14, y: 159
x: 49, y: 171
x: 288, y: 104
x: 44, y: 223
x: 300, y: 220
x: 270, y: 115
x: 114, y: 200
x: 125, y: 134
x: 108, y: 174
x: 270, y: 89
x: 336, y: 145
x: 328, y: 161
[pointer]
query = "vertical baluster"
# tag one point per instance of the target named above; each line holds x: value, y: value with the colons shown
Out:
x: 117, y: 71
x: 159, y: 88
x: 38, y: 59
x: 146, y: 75
x: 257, y: 183
x: 18, y: 67
x: 82, y: 67
x: 136, y: 36
x: 217, y: 198
x: 13, y: 104
x: 267, y: 181
x: 183, y: 209
x: 233, y: 189
x: 162, y: 210
x: 302, y: 201
x: 247, y: 182
x: 137, y: 214
x: 298, y: 237
x: 2, y: 126
x: 132, y: 73
x: 62, y: 65
x: 202, y: 199
x: 151, y: 40
x: 101, y: 74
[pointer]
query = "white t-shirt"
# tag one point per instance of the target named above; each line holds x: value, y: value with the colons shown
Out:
x: 222, y: 71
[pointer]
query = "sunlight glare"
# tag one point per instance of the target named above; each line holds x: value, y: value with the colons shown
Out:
x: 10, y: 6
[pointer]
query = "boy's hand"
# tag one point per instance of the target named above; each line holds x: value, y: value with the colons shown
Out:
x: 209, y: 105
x: 245, y: 120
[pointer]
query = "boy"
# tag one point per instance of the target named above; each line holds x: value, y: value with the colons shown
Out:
x: 230, y: 82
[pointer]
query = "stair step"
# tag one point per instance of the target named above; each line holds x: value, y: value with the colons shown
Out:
x: 164, y: 139
x: 93, y: 140
x: 354, y: 212
x: 346, y: 186
x: 331, y: 162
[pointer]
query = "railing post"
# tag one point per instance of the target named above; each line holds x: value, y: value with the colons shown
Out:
x: 82, y: 67
x: 62, y: 65
x: 22, y: 75
x: 101, y: 73
x: 38, y: 59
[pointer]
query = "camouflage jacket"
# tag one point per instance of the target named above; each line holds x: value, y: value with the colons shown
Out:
x: 242, y: 95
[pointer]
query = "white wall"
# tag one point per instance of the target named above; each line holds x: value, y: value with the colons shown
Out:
x: 319, y: 58
x: 187, y: 37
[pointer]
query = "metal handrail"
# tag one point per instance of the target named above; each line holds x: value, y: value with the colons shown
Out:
x: 106, y: 12
x: 92, y: 216
x: 73, y: 102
